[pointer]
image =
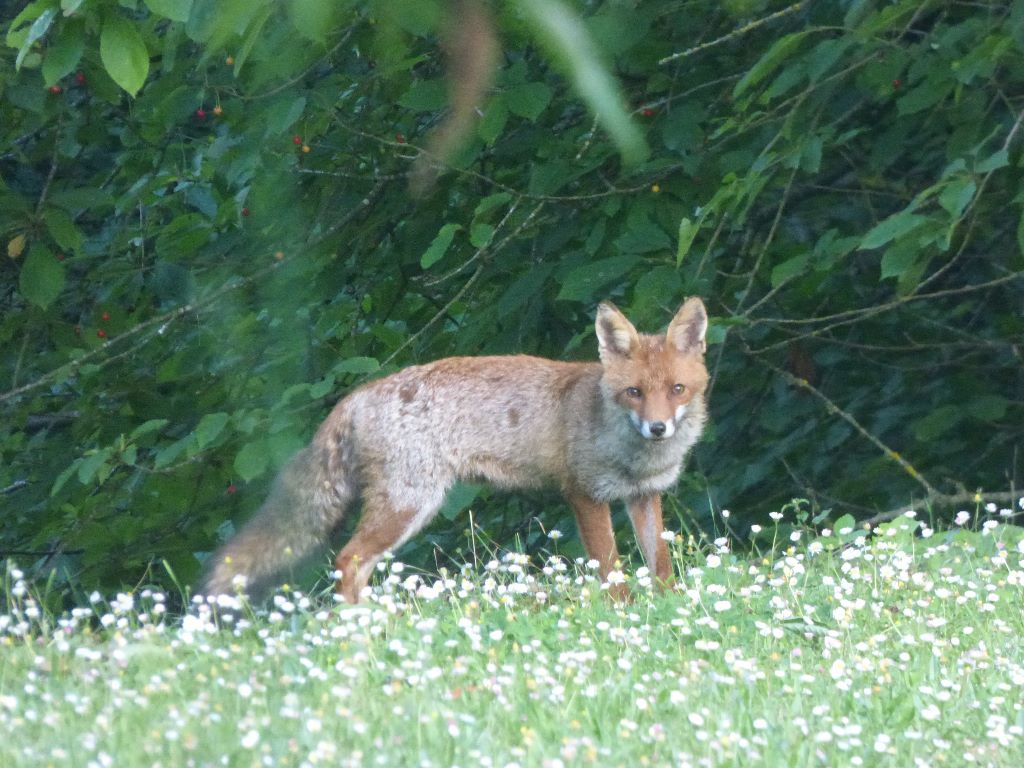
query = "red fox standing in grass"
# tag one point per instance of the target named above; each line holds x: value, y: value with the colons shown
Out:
x: 600, y: 432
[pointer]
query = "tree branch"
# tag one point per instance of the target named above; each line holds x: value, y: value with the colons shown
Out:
x: 905, y: 465
x: 947, y: 500
x: 735, y: 33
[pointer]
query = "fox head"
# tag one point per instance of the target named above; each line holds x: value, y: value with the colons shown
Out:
x: 654, y: 379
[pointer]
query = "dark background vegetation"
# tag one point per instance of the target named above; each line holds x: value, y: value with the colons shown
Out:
x: 193, y: 274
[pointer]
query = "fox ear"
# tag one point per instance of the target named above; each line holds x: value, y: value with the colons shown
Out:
x: 687, y: 329
x: 616, y: 336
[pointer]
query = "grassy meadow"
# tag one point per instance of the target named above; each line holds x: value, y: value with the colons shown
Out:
x: 903, y: 648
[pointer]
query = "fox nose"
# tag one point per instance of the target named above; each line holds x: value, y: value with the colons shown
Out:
x: 657, y: 428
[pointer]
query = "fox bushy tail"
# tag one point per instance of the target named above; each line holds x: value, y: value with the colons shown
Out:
x: 306, y: 503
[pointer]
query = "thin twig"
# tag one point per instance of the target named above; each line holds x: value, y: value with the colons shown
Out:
x: 289, y: 83
x: 17, y: 485
x: 462, y: 291
x: 856, y: 314
x: 480, y: 252
x: 53, y: 166
x: 735, y: 33
x: 416, y: 151
x: 848, y: 418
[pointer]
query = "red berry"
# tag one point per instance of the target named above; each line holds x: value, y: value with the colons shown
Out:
x: 101, y: 333
x: 297, y: 140
x: 60, y: 257
x: 245, y: 211
x: 232, y: 488
x: 105, y: 316
x: 54, y: 89
x: 201, y: 113
x: 80, y: 78
x: 400, y: 138
x: 896, y: 83
x: 647, y: 112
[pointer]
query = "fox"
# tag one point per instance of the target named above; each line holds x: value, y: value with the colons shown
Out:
x: 616, y: 429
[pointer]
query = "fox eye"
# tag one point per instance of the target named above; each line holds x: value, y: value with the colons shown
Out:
x: 634, y: 392
x: 677, y: 389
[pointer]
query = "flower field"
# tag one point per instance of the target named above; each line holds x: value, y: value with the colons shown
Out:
x: 902, y: 647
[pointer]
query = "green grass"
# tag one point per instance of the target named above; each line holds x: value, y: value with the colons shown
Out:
x: 896, y: 650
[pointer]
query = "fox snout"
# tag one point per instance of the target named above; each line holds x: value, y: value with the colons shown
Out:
x: 652, y: 430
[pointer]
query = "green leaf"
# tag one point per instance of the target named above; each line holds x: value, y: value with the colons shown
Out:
x: 437, y: 249
x: 252, y: 460
x: 64, y: 476
x: 988, y: 407
x: 39, y: 28
x: 92, y: 466
x: 425, y: 96
x: 172, y: 283
x: 825, y: 54
x: 493, y: 122
x: 844, y: 522
x: 659, y: 286
x: 458, y: 499
x: 209, y: 428
x: 166, y: 456
x: 123, y: 53
x: 63, y: 55
x: 583, y: 282
x: 480, y: 235
x: 523, y: 291
x: 567, y: 42
x: 789, y: 269
x: 899, y: 258
x: 687, y: 232
x: 995, y: 161
x: 895, y: 226
x: 781, y: 49
x: 313, y: 18
x: 321, y: 388
x: 42, y: 277
x: 957, y: 195
x: 175, y: 10
x: 929, y: 93
x: 528, y: 100
x: 63, y: 230
x: 491, y: 202
x: 146, y: 427
x: 643, y: 236
x: 938, y: 422
x: 810, y: 155
x: 280, y: 117
x: 356, y: 365
x: 252, y: 36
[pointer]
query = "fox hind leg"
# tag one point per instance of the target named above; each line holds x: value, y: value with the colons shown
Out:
x: 386, y: 524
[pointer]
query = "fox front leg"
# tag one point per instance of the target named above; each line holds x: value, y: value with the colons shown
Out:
x: 594, y: 521
x: 645, y: 514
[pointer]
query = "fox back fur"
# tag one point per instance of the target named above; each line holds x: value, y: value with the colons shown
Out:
x: 599, y: 432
